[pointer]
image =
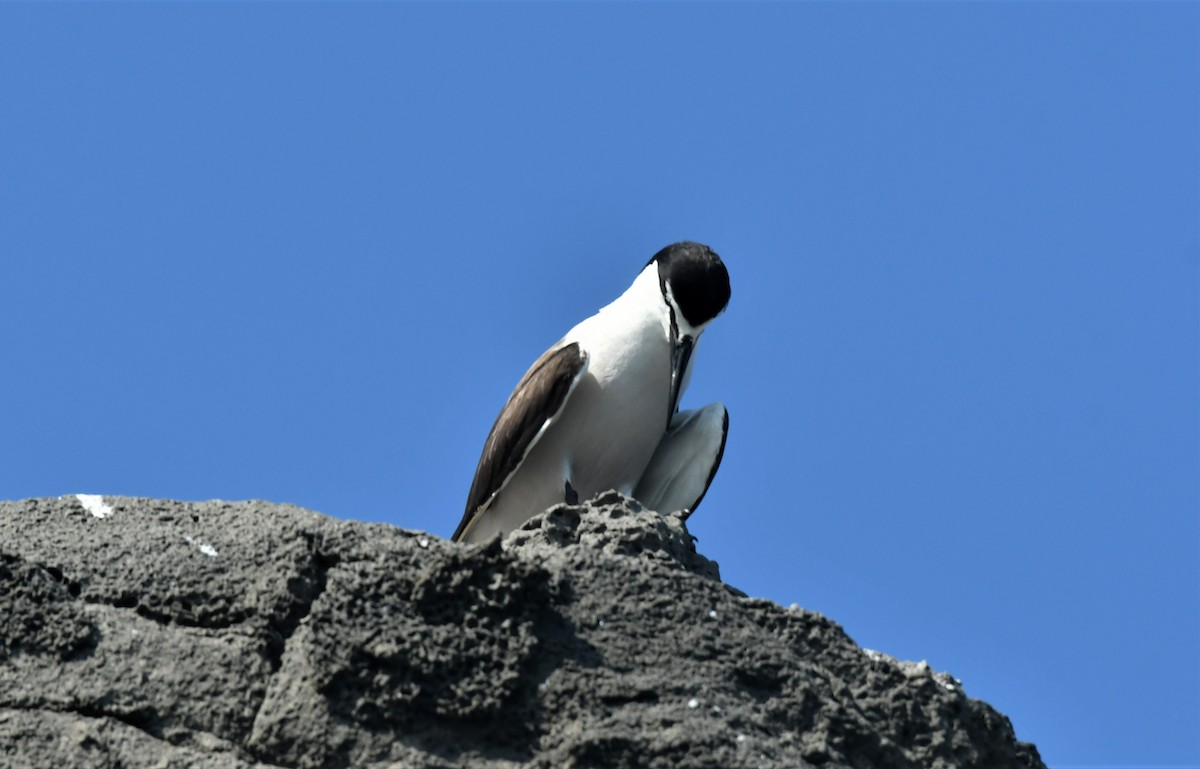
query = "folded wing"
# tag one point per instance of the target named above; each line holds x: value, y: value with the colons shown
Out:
x: 685, y: 461
x: 533, y: 406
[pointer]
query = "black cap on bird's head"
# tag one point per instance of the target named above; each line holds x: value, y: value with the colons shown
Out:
x: 695, y: 278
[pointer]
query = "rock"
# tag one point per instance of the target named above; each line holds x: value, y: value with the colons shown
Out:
x: 151, y: 633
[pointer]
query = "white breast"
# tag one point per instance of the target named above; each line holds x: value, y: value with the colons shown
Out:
x: 614, y: 419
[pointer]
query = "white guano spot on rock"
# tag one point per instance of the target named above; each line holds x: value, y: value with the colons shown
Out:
x: 94, y: 504
x: 203, y: 547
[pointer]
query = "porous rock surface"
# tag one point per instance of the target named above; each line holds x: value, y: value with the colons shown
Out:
x: 149, y: 633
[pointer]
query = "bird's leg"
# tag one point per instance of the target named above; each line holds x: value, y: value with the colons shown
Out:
x: 571, y: 496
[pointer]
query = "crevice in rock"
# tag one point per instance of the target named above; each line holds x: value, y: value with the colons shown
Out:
x: 304, y: 589
x: 176, y: 613
x: 142, y: 719
x: 644, y: 696
x: 143, y: 722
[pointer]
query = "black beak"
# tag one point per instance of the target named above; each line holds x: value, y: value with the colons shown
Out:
x: 681, y: 355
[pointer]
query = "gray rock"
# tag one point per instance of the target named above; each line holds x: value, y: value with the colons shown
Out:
x: 153, y: 633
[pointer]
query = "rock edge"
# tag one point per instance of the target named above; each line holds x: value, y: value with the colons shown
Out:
x: 146, y: 633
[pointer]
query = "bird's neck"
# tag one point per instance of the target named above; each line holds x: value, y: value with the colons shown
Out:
x: 640, y: 308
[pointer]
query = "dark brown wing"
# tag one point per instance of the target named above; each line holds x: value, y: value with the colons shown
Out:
x: 538, y: 399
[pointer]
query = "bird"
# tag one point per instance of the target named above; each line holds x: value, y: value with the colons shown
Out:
x: 599, y: 410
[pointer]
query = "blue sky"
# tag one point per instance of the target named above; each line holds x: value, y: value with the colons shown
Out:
x: 303, y: 252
